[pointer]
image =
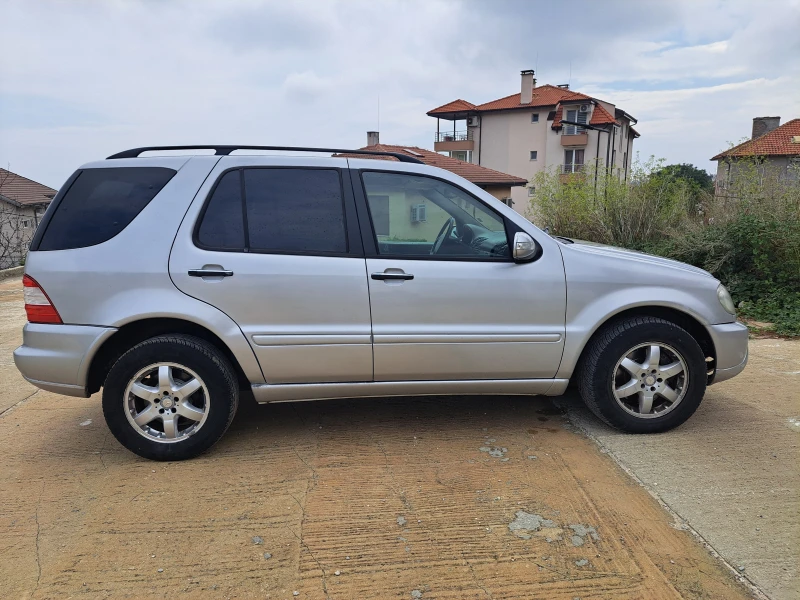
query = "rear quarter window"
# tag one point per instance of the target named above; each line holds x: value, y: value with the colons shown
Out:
x: 99, y: 204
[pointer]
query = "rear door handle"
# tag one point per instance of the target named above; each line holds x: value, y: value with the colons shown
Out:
x: 392, y: 276
x: 210, y: 273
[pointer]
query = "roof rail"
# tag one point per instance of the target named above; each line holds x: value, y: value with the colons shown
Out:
x: 226, y: 150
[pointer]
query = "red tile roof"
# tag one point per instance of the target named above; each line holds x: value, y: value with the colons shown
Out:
x: 600, y: 116
x: 777, y: 142
x: 473, y: 173
x: 454, y: 106
x: 546, y: 95
x: 22, y: 191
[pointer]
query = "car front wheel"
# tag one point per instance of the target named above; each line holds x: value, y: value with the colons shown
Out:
x: 170, y: 397
x: 643, y: 375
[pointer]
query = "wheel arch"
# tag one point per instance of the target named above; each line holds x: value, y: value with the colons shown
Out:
x: 132, y: 333
x: 680, y: 318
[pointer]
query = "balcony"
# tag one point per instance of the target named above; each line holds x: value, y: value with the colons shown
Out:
x: 447, y: 141
x: 570, y: 172
x: 574, y: 139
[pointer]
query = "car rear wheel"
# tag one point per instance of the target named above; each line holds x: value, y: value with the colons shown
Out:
x: 643, y: 375
x: 170, y: 397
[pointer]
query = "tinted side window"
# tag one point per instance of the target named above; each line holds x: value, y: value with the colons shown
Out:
x: 295, y: 210
x: 223, y: 224
x: 414, y: 215
x: 101, y: 203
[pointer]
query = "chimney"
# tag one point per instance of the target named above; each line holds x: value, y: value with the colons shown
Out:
x: 563, y: 86
x: 373, y: 138
x: 763, y: 125
x: 528, y: 83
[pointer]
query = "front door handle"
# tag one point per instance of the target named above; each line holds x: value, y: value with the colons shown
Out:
x: 210, y: 273
x: 392, y: 276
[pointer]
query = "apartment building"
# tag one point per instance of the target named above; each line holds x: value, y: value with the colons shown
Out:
x: 540, y: 128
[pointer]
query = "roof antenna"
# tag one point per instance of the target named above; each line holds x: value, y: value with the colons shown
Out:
x: 570, y: 73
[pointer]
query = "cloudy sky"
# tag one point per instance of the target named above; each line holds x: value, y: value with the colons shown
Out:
x: 81, y: 80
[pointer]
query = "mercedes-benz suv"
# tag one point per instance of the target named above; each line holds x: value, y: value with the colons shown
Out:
x: 173, y: 282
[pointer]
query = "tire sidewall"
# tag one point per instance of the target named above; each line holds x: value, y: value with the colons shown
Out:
x: 602, y: 376
x: 191, y: 353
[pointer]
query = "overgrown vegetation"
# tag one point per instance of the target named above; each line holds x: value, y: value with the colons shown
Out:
x: 748, y: 236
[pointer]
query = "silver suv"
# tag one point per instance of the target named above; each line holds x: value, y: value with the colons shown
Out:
x: 174, y: 282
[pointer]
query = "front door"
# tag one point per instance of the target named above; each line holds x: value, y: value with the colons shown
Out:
x: 272, y: 243
x: 448, y: 302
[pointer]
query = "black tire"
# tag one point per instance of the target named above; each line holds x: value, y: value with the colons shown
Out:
x: 597, y: 371
x: 194, y: 353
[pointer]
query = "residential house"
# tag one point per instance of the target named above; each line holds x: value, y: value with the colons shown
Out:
x: 22, y: 204
x: 410, y: 217
x: 540, y: 128
x: 775, y: 148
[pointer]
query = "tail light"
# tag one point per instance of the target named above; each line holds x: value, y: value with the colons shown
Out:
x: 37, y: 304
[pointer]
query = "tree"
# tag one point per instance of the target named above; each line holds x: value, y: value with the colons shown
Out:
x: 697, y: 178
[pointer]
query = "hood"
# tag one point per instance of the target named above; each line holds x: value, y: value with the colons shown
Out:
x: 641, y: 257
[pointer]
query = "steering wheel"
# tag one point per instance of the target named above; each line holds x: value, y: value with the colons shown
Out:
x: 444, y: 233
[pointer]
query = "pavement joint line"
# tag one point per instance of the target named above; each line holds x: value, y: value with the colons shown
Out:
x: 16, y: 404
x: 679, y: 521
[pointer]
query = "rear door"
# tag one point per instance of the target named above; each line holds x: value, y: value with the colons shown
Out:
x: 448, y: 302
x: 274, y: 243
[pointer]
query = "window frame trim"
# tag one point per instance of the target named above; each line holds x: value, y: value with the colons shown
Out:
x: 352, y: 240
x: 371, y: 245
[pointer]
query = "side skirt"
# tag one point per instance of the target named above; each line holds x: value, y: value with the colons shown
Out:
x: 291, y: 392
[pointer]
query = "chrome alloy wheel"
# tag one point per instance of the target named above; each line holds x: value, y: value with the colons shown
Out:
x: 650, y: 380
x: 166, y: 402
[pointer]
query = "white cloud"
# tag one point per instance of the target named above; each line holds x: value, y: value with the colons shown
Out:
x: 106, y: 76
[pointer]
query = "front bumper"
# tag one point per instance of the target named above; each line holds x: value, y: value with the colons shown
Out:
x: 56, y: 358
x: 730, y: 343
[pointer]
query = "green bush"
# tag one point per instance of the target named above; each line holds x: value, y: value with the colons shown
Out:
x: 748, y: 236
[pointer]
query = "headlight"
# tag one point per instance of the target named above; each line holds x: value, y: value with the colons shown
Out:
x: 725, y: 299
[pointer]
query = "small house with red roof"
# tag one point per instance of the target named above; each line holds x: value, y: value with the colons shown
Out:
x: 775, y: 147
x: 541, y: 127
x: 22, y: 205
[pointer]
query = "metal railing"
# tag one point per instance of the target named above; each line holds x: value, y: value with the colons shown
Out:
x: 572, y: 168
x: 453, y: 136
x: 572, y: 130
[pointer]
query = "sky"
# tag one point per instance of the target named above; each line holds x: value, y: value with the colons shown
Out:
x: 81, y: 80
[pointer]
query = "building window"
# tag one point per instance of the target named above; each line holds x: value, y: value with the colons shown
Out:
x: 575, y: 116
x: 531, y: 191
x: 535, y: 118
x: 26, y: 223
x: 534, y: 154
x: 573, y: 161
x: 507, y: 201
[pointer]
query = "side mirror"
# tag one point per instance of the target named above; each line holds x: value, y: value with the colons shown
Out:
x: 524, y: 247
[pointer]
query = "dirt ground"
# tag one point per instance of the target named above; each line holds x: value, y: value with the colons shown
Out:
x: 456, y: 497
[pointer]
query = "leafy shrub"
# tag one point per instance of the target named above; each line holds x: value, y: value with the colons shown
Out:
x: 748, y: 236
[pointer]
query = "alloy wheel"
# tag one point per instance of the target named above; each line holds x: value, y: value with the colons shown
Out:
x: 166, y: 402
x: 650, y: 380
